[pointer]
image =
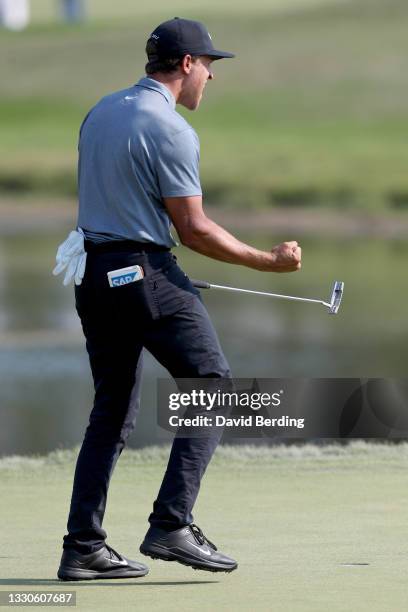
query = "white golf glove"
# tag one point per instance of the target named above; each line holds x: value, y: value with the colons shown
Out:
x: 71, y: 254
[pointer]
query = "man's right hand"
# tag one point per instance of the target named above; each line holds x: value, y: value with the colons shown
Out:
x: 197, y: 232
x: 286, y: 257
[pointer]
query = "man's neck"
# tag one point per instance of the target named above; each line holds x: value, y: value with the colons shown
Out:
x: 172, y: 82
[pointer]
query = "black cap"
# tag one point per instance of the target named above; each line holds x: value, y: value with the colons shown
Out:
x: 179, y: 37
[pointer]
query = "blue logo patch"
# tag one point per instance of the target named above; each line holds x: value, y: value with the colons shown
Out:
x: 123, y: 280
x: 124, y: 276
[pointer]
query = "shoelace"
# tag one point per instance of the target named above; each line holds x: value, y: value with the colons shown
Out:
x: 200, y: 537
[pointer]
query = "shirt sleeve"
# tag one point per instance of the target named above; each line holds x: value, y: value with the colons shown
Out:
x: 82, y: 126
x: 178, y: 165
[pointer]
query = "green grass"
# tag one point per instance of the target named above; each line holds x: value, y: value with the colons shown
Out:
x: 312, y: 111
x: 44, y: 11
x: 292, y: 516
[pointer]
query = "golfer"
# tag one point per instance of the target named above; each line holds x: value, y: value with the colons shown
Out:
x: 138, y: 173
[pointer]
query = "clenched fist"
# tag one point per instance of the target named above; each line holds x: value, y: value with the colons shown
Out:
x: 286, y: 257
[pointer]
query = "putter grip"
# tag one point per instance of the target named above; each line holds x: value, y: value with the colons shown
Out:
x: 200, y: 284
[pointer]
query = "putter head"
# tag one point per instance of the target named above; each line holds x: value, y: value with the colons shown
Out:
x: 335, y: 298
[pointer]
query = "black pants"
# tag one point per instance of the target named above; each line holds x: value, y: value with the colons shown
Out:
x: 163, y: 313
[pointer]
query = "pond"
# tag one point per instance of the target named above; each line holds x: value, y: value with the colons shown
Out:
x: 45, y: 384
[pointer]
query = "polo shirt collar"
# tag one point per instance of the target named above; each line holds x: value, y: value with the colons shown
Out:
x: 154, y: 85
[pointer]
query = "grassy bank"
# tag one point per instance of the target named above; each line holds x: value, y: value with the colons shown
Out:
x: 311, y: 112
x: 297, y: 519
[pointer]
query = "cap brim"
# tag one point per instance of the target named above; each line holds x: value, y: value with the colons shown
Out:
x: 219, y: 54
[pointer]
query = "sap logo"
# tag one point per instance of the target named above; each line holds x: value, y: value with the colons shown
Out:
x: 124, y: 276
x: 123, y: 280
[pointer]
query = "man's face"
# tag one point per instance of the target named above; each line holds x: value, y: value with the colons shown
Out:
x: 195, y: 82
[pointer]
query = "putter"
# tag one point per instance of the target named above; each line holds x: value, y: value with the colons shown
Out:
x: 333, y: 306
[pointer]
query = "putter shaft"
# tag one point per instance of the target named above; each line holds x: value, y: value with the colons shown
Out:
x: 204, y: 285
x: 274, y: 295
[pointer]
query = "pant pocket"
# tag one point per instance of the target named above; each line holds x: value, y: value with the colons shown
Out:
x: 171, y: 290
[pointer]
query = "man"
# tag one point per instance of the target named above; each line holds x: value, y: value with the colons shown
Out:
x: 73, y: 11
x: 14, y: 14
x: 138, y: 172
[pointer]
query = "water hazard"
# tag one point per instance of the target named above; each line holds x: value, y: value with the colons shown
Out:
x: 45, y: 384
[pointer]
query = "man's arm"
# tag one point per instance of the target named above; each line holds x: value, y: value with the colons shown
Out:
x: 203, y: 235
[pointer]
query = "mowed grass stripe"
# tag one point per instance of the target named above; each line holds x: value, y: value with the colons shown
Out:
x: 45, y: 10
x: 312, y: 110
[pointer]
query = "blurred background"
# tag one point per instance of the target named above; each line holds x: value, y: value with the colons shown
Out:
x: 303, y: 136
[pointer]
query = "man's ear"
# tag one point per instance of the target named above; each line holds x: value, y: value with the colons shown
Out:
x: 186, y: 64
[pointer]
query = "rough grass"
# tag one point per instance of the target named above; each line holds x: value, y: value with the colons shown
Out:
x: 294, y: 517
x: 311, y: 112
x: 357, y: 451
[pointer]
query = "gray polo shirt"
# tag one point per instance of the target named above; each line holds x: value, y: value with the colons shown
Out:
x: 134, y: 150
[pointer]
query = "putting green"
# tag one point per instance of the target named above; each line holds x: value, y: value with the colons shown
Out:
x: 295, y: 518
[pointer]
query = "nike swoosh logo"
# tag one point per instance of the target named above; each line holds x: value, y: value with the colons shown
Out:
x: 123, y: 563
x: 206, y: 552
